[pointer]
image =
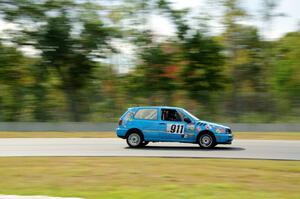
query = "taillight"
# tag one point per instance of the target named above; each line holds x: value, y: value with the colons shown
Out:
x: 120, y: 122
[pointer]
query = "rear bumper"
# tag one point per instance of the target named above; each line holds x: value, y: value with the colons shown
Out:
x: 121, y: 132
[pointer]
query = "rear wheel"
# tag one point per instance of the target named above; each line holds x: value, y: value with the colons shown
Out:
x: 206, y: 141
x: 134, y: 140
x: 144, y: 143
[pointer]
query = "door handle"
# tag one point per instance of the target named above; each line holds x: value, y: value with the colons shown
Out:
x: 162, y: 123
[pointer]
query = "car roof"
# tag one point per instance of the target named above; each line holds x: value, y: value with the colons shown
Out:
x: 166, y: 107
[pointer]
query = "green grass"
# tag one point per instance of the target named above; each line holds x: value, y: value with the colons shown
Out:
x: 6, y: 134
x: 238, y: 135
x: 150, y: 178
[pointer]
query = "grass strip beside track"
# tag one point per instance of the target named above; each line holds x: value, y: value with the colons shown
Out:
x: 7, y: 134
x: 150, y: 178
x: 237, y: 135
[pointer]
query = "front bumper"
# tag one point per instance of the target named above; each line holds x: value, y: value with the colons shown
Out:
x: 224, y: 138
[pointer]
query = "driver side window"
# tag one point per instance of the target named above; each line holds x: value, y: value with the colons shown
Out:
x: 170, y: 115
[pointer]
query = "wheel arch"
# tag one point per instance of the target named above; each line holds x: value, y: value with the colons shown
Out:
x: 207, y: 132
x: 134, y: 130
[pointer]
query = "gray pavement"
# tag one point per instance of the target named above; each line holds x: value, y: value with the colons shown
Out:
x: 253, y: 149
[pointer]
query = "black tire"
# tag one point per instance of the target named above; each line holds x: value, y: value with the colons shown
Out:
x: 144, y: 143
x: 207, y: 141
x: 134, y: 140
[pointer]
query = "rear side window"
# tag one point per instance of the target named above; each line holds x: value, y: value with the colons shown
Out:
x: 128, y: 115
x: 146, y: 114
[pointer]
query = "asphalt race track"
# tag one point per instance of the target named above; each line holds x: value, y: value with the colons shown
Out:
x: 253, y: 149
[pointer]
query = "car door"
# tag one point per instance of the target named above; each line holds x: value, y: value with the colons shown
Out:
x: 171, y: 129
x: 146, y: 119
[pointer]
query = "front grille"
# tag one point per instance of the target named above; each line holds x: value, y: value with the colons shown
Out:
x: 228, y: 131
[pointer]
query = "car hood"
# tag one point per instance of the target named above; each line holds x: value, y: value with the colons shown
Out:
x: 213, y: 124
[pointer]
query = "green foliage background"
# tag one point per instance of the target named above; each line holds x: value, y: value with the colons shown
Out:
x: 236, y: 76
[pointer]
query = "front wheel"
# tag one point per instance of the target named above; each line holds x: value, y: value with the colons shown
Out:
x: 207, y: 141
x: 134, y: 140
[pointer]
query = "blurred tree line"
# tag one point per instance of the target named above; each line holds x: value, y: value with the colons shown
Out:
x: 235, y: 76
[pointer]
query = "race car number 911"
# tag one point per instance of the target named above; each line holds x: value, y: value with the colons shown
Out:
x: 175, y: 128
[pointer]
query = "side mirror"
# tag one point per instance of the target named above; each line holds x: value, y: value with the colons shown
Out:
x: 187, y: 120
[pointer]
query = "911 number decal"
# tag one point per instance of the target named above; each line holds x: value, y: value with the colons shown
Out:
x: 175, y: 128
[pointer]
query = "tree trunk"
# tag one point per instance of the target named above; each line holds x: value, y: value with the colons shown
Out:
x: 73, y: 104
x: 71, y: 95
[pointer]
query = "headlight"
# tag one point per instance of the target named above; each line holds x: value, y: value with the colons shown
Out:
x: 220, y: 130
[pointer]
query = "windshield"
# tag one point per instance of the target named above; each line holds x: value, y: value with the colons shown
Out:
x: 189, y: 114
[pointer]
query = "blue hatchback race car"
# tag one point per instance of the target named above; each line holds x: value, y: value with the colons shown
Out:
x: 141, y: 125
